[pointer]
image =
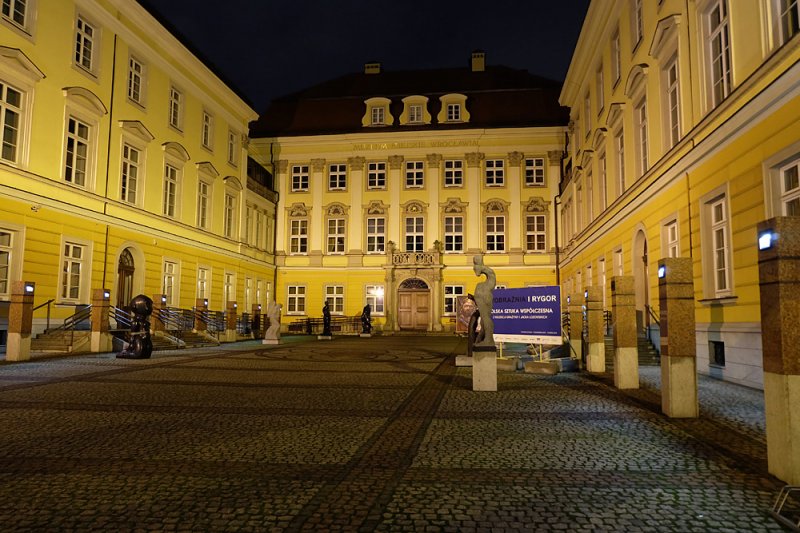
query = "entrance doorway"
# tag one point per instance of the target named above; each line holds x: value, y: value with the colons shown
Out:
x: 641, y: 281
x: 125, y: 271
x: 413, y: 305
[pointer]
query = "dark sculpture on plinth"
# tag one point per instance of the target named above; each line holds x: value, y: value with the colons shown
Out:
x: 141, y: 346
x: 474, y: 329
x: 366, y: 320
x: 326, y: 320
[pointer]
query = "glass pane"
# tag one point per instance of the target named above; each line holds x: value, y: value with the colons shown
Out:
x: 5, y: 238
x: 790, y: 179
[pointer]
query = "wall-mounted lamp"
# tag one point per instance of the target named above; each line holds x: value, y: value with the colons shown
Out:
x: 205, y: 302
x: 164, y: 299
x: 259, y: 307
x: 766, y: 240
x: 106, y: 295
x: 29, y: 288
x: 568, y: 299
x: 586, y: 294
x: 235, y: 305
x: 662, y: 272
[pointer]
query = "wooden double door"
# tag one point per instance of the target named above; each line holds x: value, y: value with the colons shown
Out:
x: 413, y: 309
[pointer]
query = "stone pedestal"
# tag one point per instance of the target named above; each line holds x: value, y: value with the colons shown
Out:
x: 20, y: 321
x: 779, y: 278
x: 100, y: 339
x: 623, y: 316
x: 200, y: 310
x: 230, y: 322
x: 678, y: 342
x: 271, y: 341
x: 575, y: 307
x: 365, y: 335
x: 324, y: 337
x: 463, y: 360
x: 484, y: 368
x: 596, y: 354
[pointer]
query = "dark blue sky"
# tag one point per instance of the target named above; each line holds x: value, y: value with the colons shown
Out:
x: 269, y: 48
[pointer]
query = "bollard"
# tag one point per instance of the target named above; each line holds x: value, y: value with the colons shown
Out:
x: 596, y: 355
x: 20, y: 321
x: 623, y: 315
x: 779, y: 280
x: 678, y: 339
x: 100, y: 340
x: 575, y: 306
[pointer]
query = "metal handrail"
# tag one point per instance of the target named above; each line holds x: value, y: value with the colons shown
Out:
x: 652, y: 315
x: 71, y: 321
x: 47, y: 303
x: 121, y: 317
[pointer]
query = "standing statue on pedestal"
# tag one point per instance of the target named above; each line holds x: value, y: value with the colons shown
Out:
x: 273, y: 333
x: 141, y: 346
x: 326, y: 320
x: 483, y: 299
x: 366, y: 320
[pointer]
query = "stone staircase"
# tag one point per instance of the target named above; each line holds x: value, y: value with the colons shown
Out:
x: 61, y: 341
x: 648, y: 356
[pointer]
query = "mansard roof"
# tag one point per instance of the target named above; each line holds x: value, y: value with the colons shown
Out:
x: 497, y: 97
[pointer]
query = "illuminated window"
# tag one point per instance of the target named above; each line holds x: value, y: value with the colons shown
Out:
x: 296, y: 300
x: 454, y: 234
x: 298, y: 236
x: 453, y: 173
x: 334, y: 295
x: 299, y: 178
x: 374, y: 297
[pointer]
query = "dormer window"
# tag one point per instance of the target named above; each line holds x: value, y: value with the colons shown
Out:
x: 378, y: 116
x: 453, y: 108
x: 415, y: 113
x: 415, y: 110
x: 377, y: 113
x: 454, y: 112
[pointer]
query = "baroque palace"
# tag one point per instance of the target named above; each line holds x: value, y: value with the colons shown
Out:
x: 123, y: 165
x: 390, y: 182
x: 684, y: 134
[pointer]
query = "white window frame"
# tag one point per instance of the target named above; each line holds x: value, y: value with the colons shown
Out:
x: 376, y: 175
x: 228, y: 288
x: 14, y: 251
x: 415, y: 114
x: 717, y: 51
x: 587, y: 115
x: 495, y: 173
x: 233, y: 148
x: 203, y: 285
x: 376, y: 235
x: 170, y: 281
x: 415, y: 174
x: 453, y: 234
x: 10, y: 109
x: 790, y: 196
x: 616, y: 58
x: 637, y: 24
x: 378, y: 116
x: 619, y: 150
x: 295, y: 299
x: 337, y: 177
x: 599, y: 89
x: 230, y: 209
x: 75, y: 163
x: 334, y: 296
x: 786, y: 20
x: 414, y: 235
x: 672, y: 101
x: 207, y: 130
x: 86, y: 49
x: 618, y: 259
x: 640, y: 129
x: 299, y: 178
x: 670, y: 237
x: 337, y: 230
x: 67, y: 264
x: 136, y: 80
x: 451, y: 294
x: 602, y: 179
x: 298, y: 236
x: 175, y: 108
x: 454, y: 112
x: 14, y: 10
x: 536, y: 233
x: 171, y: 194
x: 534, y: 172
x: 495, y: 234
x: 453, y: 173
x: 204, y: 197
x: 248, y: 295
x: 132, y: 172
x: 374, y: 297
x: 715, y: 244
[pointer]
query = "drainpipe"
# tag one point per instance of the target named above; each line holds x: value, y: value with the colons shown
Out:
x: 108, y: 154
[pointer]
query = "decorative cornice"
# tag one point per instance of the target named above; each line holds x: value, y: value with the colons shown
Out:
x: 434, y: 160
x: 537, y: 204
x: 318, y: 165
x: 282, y: 165
x: 474, y: 158
x: 515, y: 158
x: 453, y: 205
x: 395, y: 161
x: 376, y: 207
x: 298, y: 209
x: 356, y: 163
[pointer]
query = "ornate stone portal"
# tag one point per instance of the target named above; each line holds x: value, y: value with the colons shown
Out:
x: 414, y: 272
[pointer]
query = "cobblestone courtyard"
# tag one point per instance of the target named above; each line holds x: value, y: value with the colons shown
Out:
x: 366, y: 434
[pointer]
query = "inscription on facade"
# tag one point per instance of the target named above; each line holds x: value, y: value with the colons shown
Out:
x: 414, y: 144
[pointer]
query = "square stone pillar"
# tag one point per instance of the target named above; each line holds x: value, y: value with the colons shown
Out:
x: 575, y: 307
x: 484, y: 368
x: 623, y: 317
x: 200, y: 309
x: 255, y: 320
x: 20, y: 321
x: 159, y: 303
x: 596, y: 354
x: 779, y: 279
x: 678, y: 342
x: 100, y: 340
x: 230, y: 321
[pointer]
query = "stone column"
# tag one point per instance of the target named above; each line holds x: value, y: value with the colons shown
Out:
x: 433, y: 182
x: 318, y: 186
x: 282, y: 186
x: 20, y: 321
x: 159, y: 303
x: 100, y: 340
x: 779, y: 278
x: 623, y: 315
x: 678, y: 342
x: 575, y: 306
x: 230, y: 321
x: 200, y: 308
x: 514, y: 184
x: 473, y: 185
x: 596, y: 358
x: 395, y: 224
x: 356, y: 221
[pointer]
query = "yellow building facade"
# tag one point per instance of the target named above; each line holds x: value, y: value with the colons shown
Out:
x: 684, y: 134
x: 124, y: 165
x: 390, y: 182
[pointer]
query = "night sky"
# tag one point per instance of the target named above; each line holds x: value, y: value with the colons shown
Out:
x: 269, y: 48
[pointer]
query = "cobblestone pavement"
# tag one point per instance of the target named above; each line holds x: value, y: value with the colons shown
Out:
x: 361, y: 435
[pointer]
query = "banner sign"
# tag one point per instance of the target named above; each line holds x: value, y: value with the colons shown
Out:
x: 531, y: 315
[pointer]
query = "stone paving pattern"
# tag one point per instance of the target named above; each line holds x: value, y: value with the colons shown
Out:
x: 380, y: 434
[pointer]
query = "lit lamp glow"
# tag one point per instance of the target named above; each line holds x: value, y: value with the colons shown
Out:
x: 586, y: 294
x: 205, y: 302
x: 379, y: 292
x: 766, y: 240
x: 106, y: 294
x: 163, y: 299
x: 29, y: 287
x: 662, y: 271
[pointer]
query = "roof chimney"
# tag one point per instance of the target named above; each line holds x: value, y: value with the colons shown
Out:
x: 478, y: 61
x: 372, y: 67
